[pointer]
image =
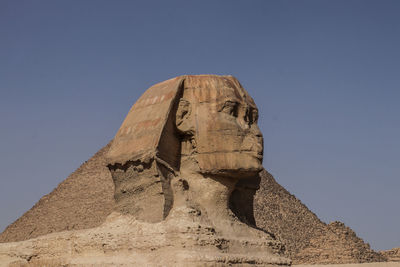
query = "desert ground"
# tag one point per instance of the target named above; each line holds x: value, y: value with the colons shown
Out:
x: 373, y: 264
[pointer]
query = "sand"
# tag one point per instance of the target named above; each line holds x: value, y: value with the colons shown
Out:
x: 373, y: 264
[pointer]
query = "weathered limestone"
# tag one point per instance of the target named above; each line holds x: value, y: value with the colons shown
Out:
x: 391, y: 254
x: 185, y: 165
x: 191, y: 145
x: 146, y: 192
x: 72, y: 206
x: 124, y: 241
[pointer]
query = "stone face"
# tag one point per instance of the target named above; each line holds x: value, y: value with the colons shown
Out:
x: 220, y: 129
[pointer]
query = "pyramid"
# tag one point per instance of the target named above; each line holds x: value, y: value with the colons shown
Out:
x: 308, y: 240
x: 85, y: 199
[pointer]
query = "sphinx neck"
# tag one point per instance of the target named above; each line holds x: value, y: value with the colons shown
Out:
x: 210, y: 193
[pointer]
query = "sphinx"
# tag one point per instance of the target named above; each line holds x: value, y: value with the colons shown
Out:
x: 191, y: 147
x: 185, y: 164
x: 203, y: 127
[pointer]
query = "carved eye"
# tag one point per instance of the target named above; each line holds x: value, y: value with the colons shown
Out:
x: 251, y: 116
x: 230, y: 108
x: 247, y: 116
x: 254, y: 115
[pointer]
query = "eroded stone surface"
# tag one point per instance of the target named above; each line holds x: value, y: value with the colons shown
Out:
x: 199, y: 143
x: 181, y: 240
x: 391, y: 254
x: 185, y: 165
x: 85, y: 199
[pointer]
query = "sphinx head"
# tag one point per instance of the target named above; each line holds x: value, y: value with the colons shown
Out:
x: 208, y: 119
x: 200, y: 125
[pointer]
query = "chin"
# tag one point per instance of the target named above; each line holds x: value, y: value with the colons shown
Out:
x: 233, y: 164
x: 240, y: 172
x: 252, y: 168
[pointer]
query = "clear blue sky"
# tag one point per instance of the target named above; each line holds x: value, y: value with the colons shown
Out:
x: 324, y: 74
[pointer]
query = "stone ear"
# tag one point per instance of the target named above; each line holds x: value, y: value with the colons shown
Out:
x: 183, y: 117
